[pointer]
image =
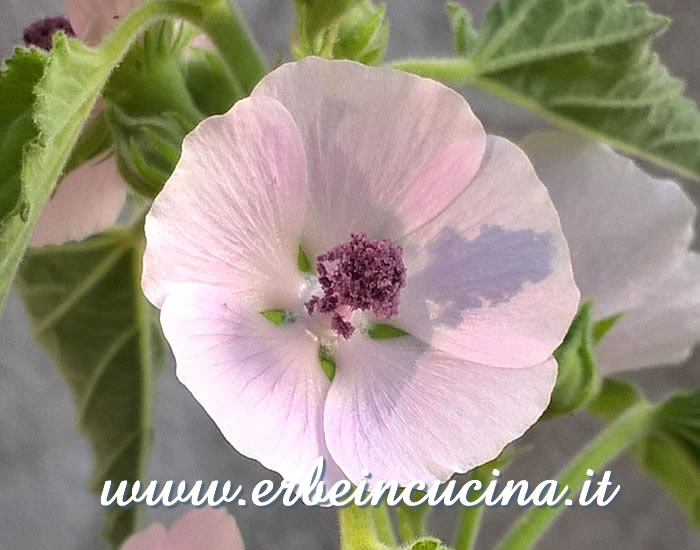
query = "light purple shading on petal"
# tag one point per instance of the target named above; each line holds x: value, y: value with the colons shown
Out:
x: 231, y: 213
x: 627, y: 231
x: 262, y: 384
x: 406, y: 412
x: 88, y: 200
x: 490, y: 280
x: 387, y: 151
x: 661, y: 331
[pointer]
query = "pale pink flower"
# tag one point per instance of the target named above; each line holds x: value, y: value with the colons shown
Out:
x: 420, y: 221
x: 199, y: 529
x: 629, y: 235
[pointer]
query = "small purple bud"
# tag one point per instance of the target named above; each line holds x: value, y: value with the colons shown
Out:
x: 40, y: 33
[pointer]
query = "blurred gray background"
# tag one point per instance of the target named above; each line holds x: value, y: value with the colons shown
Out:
x: 45, y: 464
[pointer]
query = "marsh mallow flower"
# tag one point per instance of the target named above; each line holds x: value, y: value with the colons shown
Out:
x: 629, y: 235
x: 407, y: 219
x: 199, y: 529
x: 90, y: 198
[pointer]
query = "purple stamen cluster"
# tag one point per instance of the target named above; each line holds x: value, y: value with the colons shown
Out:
x: 40, y: 33
x: 365, y: 274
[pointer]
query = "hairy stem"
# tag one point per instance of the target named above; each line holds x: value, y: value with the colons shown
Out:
x: 614, y: 439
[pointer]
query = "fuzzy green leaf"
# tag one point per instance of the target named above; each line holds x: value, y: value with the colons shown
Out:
x: 73, y: 78
x: 17, y: 80
x: 671, y: 453
x: 587, y: 64
x: 87, y: 310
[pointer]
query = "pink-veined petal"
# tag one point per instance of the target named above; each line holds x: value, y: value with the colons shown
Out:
x: 626, y: 230
x: 262, y: 384
x: 151, y: 538
x: 661, y: 331
x: 406, y: 412
x: 232, y: 211
x: 92, y: 19
x: 88, y: 200
x: 386, y: 150
x: 205, y: 529
x: 490, y: 280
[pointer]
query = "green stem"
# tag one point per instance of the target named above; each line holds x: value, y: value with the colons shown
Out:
x: 383, y: 526
x: 411, y: 521
x: 234, y: 41
x: 218, y: 19
x: 615, y: 438
x: 468, y: 527
x: 455, y: 71
x: 357, y: 531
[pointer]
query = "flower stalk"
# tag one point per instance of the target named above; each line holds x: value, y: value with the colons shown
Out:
x: 358, y: 530
x: 613, y: 440
x: 470, y: 520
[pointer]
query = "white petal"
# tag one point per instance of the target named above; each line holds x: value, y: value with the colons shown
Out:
x: 262, y: 384
x: 663, y: 330
x: 386, y: 150
x: 232, y: 211
x: 406, y: 412
x: 490, y: 280
x: 626, y: 230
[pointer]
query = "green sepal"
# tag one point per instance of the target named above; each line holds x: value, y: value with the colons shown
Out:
x: 150, y: 80
x: 315, y: 16
x: 327, y: 363
x: 303, y: 262
x: 275, y: 316
x: 383, y: 331
x: 464, y: 35
x: 577, y: 376
x: 363, y: 34
x: 603, y: 326
x: 349, y: 29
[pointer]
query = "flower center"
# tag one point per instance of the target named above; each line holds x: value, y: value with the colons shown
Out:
x: 40, y: 33
x: 362, y: 274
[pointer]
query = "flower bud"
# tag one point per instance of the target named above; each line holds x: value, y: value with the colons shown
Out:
x: 147, y: 147
x: 359, y: 32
